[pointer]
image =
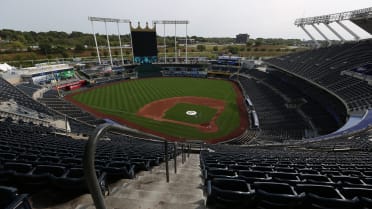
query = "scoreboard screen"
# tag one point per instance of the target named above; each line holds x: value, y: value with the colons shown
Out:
x: 144, y: 46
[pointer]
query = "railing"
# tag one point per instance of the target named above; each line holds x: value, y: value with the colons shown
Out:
x: 89, y: 156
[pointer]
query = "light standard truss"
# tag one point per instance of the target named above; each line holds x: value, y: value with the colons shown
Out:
x: 175, y: 23
x: 322, y: 34
x: 108, y: 20
x: 331, y: 18
x: 350, y: 15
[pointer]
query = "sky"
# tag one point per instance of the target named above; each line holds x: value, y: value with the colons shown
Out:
x: 208, y: 18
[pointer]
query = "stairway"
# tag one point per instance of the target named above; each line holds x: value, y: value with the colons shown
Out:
x: 149, y: 190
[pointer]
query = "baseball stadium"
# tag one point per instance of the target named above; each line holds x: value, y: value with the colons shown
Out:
x: 170, y: 130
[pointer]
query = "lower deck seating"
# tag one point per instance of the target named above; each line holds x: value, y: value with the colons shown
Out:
x: 277, y: 122
x: 53, y: 101
x: 8, y: 92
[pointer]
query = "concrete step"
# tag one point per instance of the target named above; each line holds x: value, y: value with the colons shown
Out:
x: 157, y: 186
x: 185, y: 172
x: 161, y: 195
x: 127, y: 203
x: 172, y: 179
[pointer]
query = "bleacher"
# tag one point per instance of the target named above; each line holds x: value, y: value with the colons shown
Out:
x: 8, y: 92
x: 33, y: 158
x: 28, y: 88
x: 277, y: 122
x: 324, y: 67
x: 316, y: 175
x: 52, y: 100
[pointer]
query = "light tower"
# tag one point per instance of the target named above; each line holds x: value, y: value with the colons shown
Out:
x: 175, y: 23
x: 108, y: 20
x: 357, y: 17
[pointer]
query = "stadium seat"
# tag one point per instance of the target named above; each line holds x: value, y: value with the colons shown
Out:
x: 277, y: 195
x: 118, y: 170
x: 364, y: 195
x: 232, y: 193
x: 253, y: 176
x: 73, y: 181
x: 218, y: 173
x: 39, y: 177
x: 349, y: 181
x: 324, y: 196
x: 289, y: 178
x: 10, y: 199
x: 316, y: 179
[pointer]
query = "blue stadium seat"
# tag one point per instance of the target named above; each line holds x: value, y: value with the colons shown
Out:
x: 277, y: 195
x: 10, y: 199
x: 324, y: 196
x: 364, y: 195
x: 231, y: 193
x: 74, y: 181
x: 253, y: 176
x: 118, y: 170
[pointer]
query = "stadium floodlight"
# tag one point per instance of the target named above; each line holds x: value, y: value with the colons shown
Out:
x: 355, y: 15
x: 350, y: 15
x: 175, y: 23
x: 171, y: 22
x: 106, y: 20
x: 103, y: 19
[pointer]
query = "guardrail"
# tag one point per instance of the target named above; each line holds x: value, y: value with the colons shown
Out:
x: 89, y: 156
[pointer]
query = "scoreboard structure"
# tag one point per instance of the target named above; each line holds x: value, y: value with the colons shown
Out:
x: 144, y: 44
x: 143, y: 41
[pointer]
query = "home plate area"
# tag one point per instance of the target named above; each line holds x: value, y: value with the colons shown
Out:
x: 191, y: 113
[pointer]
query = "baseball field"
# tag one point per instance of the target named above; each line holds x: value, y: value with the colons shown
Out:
x: 175, y: 108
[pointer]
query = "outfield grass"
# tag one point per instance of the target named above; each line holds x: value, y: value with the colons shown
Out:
x: 178, y: 112
x: 126, y: 98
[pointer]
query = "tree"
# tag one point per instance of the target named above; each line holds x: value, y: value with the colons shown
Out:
x: 17, y: 45
x: 79, y: 47
x: 201, y: 48
x: 45, y: 48
x: 215, y: 48
x: 249, y: 43
x: 258, y: 42
x: 232, y: 49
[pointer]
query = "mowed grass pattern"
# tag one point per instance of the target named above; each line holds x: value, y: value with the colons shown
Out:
x: 126, y: 98
x: 178, y: 112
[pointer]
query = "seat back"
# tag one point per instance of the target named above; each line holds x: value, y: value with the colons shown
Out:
x: 56, y: 171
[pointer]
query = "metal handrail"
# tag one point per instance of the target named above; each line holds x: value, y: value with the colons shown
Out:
x: 89, y: 156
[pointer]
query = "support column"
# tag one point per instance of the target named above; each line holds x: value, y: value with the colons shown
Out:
x: 186, y: 59
x: 311, y: 36
x: 121, y: 48
x: 356, y: 37
x: 322, y: 34
x: 95, y: 41
x: 108, y: 43
x: 335, y: 32
x: 165, y: 46
x: 175, y: 42
x: 131, y: 40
